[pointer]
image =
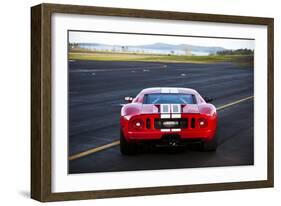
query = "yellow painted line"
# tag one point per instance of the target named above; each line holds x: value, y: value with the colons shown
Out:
x: 233, y: 103
x: 94, y: 150
x: 112, y: 144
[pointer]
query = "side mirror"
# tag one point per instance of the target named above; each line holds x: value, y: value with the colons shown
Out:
x: 208, y: 99
x: 128, y: 99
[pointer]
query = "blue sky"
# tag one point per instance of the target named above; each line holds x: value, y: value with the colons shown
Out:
x: 133, y: 39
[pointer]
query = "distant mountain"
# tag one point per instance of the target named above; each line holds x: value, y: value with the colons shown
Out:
x: 154, y: 48
x: 195, y: 48
x: 161, y: 46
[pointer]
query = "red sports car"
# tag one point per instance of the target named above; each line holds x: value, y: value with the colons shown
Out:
x: 167, y: 117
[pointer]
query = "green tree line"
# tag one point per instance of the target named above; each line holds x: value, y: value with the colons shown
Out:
x: 236, y: 52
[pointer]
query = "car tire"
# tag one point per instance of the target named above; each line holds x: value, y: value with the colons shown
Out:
x: 210, y: 146
x: 127, y: 148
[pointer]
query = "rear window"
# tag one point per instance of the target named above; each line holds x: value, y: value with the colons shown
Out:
x: 169, y: 98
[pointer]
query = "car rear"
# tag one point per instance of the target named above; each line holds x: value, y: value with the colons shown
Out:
x: 152, y: 126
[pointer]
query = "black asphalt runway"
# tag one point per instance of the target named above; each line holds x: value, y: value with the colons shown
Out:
x: 97, y: 88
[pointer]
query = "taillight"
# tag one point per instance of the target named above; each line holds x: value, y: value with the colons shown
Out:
x: 137, y: 124
x: 202, y: 122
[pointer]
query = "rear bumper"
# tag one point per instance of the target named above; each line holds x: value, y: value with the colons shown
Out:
x: 157, y: 135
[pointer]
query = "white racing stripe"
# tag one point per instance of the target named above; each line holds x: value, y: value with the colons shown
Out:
x: 176, y: 108
x: 165, y: 109
x: 176, y: 130
x: 165, y: 90
x: 174, y: 90
x: 170, y: 111
x: 169, y: 90
x: 176, y: 111
x: 176, y: 116
x: 165, y: 116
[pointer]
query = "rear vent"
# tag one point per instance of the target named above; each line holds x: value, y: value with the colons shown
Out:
x: 148, y: 123
x: 192, y: 125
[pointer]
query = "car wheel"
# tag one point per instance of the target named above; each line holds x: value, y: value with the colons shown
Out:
x: 210, y: 146
x: 127, y: 148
